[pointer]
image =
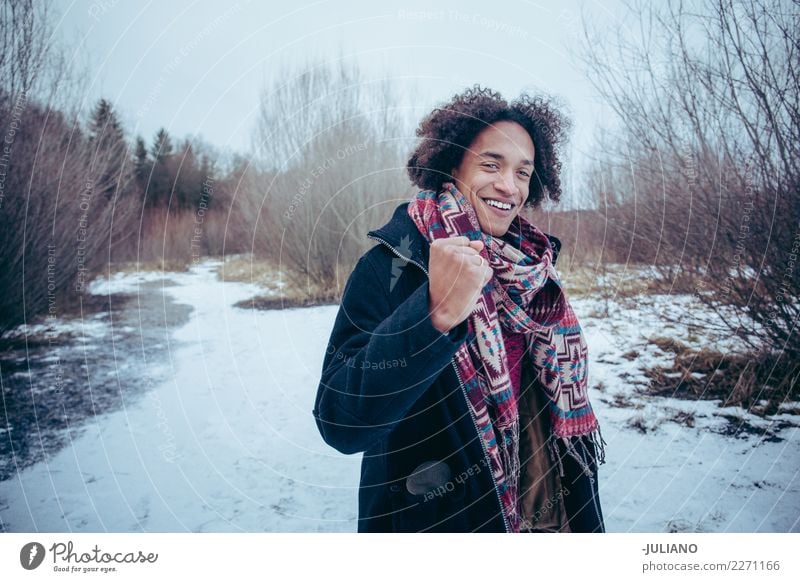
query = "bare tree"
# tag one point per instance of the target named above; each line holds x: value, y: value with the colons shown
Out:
x: 706, y: 163
x: 24, y: 36
x: 332, y: 147
x: 55, y: 230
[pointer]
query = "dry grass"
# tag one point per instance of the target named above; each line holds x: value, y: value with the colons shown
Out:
x: 166, y: 266
x: 757, y: 382
x: 283, y: 302
x: 616, y: 281
x: 247, y: 269
x: 266, y: 273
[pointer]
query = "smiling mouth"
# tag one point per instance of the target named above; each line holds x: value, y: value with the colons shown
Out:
x: 498, y: 208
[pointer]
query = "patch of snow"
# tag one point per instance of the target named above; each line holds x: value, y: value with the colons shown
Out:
x: 88, y: 329
x: 123, y: 282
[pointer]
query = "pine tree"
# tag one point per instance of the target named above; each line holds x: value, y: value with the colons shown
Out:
x: 104, y: 124
x: 162, y: 178
x: 187, y: 184
x: 107, y: 150
x: 141, y: 164
x: 162, y: 146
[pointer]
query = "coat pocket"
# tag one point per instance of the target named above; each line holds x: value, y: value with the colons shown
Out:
x: 426, y: 498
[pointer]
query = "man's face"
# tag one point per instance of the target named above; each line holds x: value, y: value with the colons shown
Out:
x: 497, y: 167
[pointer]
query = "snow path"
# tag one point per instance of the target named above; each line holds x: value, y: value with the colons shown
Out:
x: 228, y: 443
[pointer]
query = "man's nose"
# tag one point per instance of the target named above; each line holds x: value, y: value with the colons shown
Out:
x: 505, y: 183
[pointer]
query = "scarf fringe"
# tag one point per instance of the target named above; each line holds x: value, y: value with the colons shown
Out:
x: 597, y: 454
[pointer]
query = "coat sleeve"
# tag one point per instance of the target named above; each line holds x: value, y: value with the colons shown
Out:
x: 378, y: 362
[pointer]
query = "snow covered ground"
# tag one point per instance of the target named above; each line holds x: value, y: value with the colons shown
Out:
x: 224, y: 439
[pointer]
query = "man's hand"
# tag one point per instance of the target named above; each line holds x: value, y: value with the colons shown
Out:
x: 457, y: 276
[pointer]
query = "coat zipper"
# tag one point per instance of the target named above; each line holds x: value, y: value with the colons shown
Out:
x: 463, y: 391
x: 483, y: 446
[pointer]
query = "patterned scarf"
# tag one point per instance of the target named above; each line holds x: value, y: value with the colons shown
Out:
x: 524, y: 296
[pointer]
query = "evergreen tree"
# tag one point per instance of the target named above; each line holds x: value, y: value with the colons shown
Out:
x: 162, y: 179
x: 187, y: 181
x: 104, y: 125
x: 107, y: 150
x: 141, y: 164
x: 162, y: 146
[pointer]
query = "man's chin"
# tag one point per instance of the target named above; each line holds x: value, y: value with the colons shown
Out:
x: 494, y: 229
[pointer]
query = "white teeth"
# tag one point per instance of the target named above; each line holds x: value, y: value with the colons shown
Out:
x: 500, y: 205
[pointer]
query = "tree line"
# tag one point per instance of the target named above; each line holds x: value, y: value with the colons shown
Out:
x: 77, y: 193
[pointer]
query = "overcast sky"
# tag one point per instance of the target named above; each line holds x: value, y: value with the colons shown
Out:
x: 197, y: 67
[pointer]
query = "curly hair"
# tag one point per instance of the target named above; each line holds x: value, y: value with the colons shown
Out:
x: 449, y: 130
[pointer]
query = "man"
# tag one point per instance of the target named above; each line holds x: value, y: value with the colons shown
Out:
x: 484, y: 423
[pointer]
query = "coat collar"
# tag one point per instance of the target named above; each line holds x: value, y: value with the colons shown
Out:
x: 402, y: 235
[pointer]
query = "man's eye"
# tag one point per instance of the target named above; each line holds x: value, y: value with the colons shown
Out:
x: 491, y: 165
x: 524, y: 173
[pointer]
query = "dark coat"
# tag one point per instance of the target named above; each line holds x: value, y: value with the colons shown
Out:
x: 389, y: 387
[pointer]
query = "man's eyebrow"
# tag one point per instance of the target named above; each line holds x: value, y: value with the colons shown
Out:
x: 501, y: 157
